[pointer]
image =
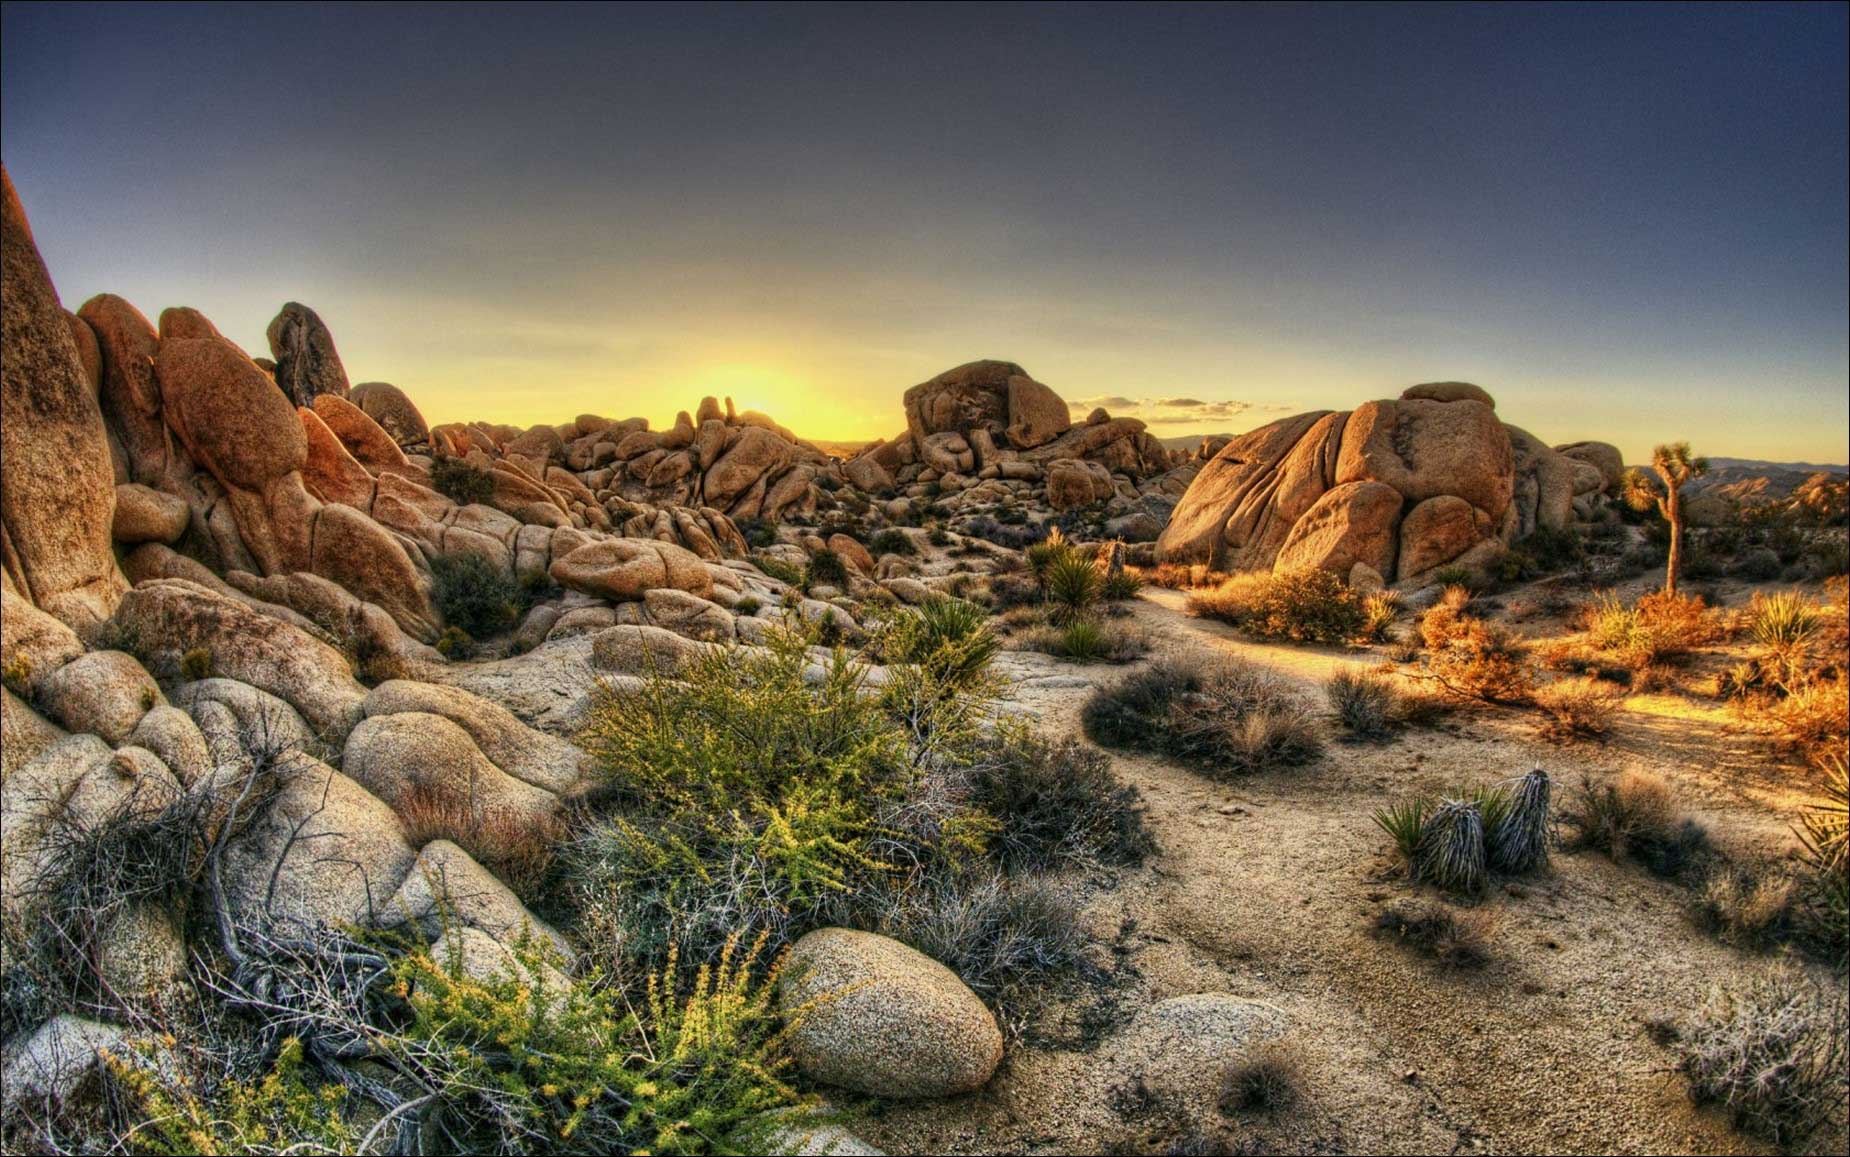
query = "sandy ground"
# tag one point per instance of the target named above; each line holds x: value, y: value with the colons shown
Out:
x: 1265, y: 888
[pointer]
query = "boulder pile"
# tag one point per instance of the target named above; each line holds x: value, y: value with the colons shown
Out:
x: 1393, y: 491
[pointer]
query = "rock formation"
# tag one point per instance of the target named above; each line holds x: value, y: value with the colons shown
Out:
x: 1403, y: 487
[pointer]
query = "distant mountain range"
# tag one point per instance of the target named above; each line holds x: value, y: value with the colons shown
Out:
x: 1757, y: 464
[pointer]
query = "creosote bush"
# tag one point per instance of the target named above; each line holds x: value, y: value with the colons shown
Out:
x: 1226, y: 719
x: 1305, y: 606
x: 825, y: 568
x: 1058, y: 804
x: 893, y: 541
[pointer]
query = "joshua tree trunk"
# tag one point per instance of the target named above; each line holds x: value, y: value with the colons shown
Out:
x: 1673, y: 514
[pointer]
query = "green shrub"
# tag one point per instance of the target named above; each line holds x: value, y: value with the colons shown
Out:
x: 1058, y: 804
x: 456, y: 643
x: 1227, y: 719
x: 1120, y: 585
x: 758, y: 532
x: 949, y: 637
x: 1770, y: 1050
x: 476, y: 596
x: 461, y: 482
x: 1089, y: 641
x: 825, y: 568
x: 893, y: 541
x: 1454, y: 576
x: 1306, y: 606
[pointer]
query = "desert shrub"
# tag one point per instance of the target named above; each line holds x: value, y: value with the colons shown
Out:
x: 1745, y: 907
x: 757, y: 532
x: 517, y: 849
x: 1074, y: 585
x: 1660, y: 627
x: 1366, y: 705
x: 749, y: 605
x: 1444, y: 618
x: 1769, y: 1048
x: 1008, y: 591
x: 825, y: 568
x: 1305, y: 606
x: 949, y: 637
x: 1440, y: 933
x: 1380, y: 611
x: 784, y: 572
x: 1756, y: 565
x: 938, y: 536
x: 1230, y: 718
x: 893, y: 541
x: 476, y: 596
x: 1178, y: 576
x: 1058, y: 804
x: 196, y: 664
x: 1455, y: 576
x: 1265, y: 1081
x: 999, y: 935
x: 1120, y: 585
x: 1577, y: 709
x: 1634, y: 817
x: 461, y: 482
x: 522, y: 1066
x: 1815, y: 716
x: 456, y: 643
x: 1089, y: 641
x: 1481, y: 661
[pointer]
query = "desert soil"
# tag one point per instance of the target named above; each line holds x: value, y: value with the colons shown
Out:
x: 1265, y: 888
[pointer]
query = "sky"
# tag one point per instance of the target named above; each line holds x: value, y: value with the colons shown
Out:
x: 1627, y: 223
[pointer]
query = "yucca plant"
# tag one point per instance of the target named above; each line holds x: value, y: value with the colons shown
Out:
x: 1784, y: 623
x: 1824, y: 836
x: 1083, y: 639
x: 1518, y: 838
x: 1450, y: 853
x: 1043, y: 554
x: 1380, y: 611
x: 1073, y: 587
x: 1403, y: 822
x: 1120, y: 585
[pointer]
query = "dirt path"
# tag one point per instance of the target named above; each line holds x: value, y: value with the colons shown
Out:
x: 1265, y: 888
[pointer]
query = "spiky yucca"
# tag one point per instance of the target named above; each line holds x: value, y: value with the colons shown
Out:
x: 1403, y: 822
x: 1519, y: 838
x: 1450, y: 853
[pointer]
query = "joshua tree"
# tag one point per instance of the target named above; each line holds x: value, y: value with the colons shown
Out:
x: 1673, y: 466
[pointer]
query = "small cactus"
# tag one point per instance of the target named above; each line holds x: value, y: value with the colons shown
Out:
x: 1519, y: 838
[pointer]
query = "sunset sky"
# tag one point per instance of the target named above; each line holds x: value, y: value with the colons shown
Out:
x: 1626, y: 223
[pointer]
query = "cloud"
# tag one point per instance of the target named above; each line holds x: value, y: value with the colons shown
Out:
x: 1109, y: 401
x: 1181, y: 403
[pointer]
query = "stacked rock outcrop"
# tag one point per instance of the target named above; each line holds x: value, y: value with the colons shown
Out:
x: 1392, y: 491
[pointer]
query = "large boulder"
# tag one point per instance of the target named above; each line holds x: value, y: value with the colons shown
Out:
x: 306, y: 362
x: 1241, y: 506
x: 57, y: 484
x: 130, y: 396
x: 1425, y: 449
x: 324, y: 850
x: 32, y: 643
x: 1035, y: 413
x: 966, y: 397
x: 1072, y: 483
x: 1354, y: 523
x: 432, y: 774
x: 144, y: 514
x: 446, y: 886
x: 362, y: 556
x: 1603, y: 456
x: 103, y: 692
x: 528, y: 755
x: 883, y: 1019
x: 1438, y: 531
x: 169, y: 617
x: 751, y: 456
x: 396, y: 414
x: 624, y: 569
